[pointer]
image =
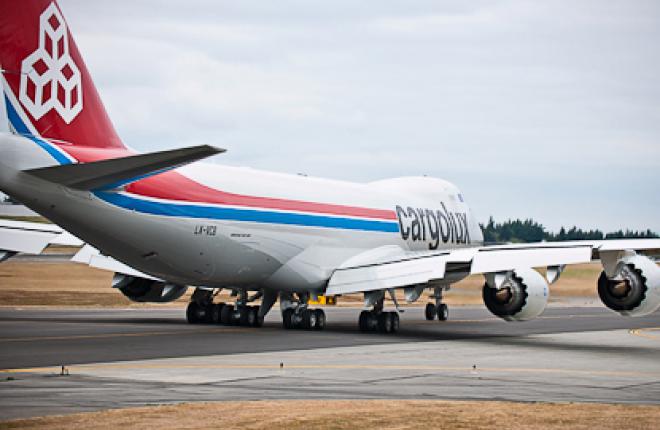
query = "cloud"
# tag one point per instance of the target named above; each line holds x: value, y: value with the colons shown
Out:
x: 535, y: 109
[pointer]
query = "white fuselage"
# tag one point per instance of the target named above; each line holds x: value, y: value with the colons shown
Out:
x: 195, y: 242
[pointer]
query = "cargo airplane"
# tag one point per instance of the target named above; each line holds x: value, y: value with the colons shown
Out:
x: 165, y: 222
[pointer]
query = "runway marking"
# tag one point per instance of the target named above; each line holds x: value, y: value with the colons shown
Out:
x: 230, y: 366
x: 109, y: 335
x: 641, y: 332
x: 79, y: 323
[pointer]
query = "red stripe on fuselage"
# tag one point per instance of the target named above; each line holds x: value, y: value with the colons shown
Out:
x: 174, y: 186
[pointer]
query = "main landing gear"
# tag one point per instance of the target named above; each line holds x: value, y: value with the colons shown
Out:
x: 383, y: 322
x: 438, y: 310
x: 296, y: 314
x: 377, y: 320
x: 202, y: 310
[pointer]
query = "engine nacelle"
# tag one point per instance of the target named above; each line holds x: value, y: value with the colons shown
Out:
x: 634, y: 290
x: 522, y: 296
x: 147, y: 290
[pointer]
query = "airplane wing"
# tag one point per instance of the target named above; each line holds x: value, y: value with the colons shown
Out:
x: 387, y: 267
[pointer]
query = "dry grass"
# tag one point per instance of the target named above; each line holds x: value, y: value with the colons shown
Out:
x: 24, y: 283
x: 58, y: 284
x: 362, y: 414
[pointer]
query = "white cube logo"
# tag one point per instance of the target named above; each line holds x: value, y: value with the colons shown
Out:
x: 49, y: 77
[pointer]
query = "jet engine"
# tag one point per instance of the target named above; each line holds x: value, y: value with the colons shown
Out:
x: 147, y: 290
x: 634, y: 290
x: 521, y: 296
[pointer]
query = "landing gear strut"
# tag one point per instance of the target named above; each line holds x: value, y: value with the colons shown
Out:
x: 295, y: 313
x: 377, y: 320
x: 439, y: 309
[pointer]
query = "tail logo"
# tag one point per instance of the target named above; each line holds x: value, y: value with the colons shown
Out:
x: 49, y: 77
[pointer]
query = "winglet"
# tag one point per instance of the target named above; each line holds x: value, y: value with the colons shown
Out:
x: 115, y: 172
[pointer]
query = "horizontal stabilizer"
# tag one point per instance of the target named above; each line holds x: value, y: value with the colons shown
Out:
x: 115, y: 172
x: 31, y: 237
x: 92, y: 257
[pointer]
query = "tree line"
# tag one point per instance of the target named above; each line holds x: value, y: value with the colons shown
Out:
x: 531, y: 231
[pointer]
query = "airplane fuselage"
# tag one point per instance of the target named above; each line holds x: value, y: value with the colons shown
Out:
x: 221, y: 226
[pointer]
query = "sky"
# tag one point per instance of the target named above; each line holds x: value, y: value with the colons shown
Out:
x: 548, y: 110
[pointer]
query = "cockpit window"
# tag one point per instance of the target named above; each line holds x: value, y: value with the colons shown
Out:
x: 460, y: 197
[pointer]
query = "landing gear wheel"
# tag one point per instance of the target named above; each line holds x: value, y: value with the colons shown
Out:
x: 385, y: 322
x: 443, y: 312
x: 207, y: 314
x: 243, y: 312
x: 395, y: 322
x: 259, y: 321
x: 320, y: 319
x: 309, y: 319
x: 287, y: 318
x: 243, y: 316
x: 430, y: 311
x: 364, y: 320
x: 251, y: 316
x: 226, y: 314
x: 193, y: 313
x: 216, y: 309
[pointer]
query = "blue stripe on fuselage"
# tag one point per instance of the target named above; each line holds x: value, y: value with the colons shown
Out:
x: 249, y: 215
x: 22, y: 129
x: 208, y: 212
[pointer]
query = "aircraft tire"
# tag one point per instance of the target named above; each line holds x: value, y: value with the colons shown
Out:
x: 192, y: 313
x: 259, y: 321
x: 385, y: 322
x: 430, y: 311
x: 216, y: 310
x: 226, y: 314
x: 443, y: 312
x: 309, y: 319
x: 207, y: 314
x: 395, y: 322
x: 246, y: 316
x: 363, y: 322
x: 320, y: 319
x: 287, y: 319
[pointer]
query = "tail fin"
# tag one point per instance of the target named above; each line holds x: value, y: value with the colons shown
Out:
x: 48, y: 90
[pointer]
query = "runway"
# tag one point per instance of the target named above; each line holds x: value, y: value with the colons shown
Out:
x: 119, y: 358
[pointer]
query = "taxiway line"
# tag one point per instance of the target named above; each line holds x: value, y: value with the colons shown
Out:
x: 476, y: 372
x: 110, y: 335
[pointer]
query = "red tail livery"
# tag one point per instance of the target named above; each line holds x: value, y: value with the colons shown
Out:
x: 48, y: 91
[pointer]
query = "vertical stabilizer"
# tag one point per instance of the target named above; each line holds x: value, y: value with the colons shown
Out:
x: 48, y: 91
